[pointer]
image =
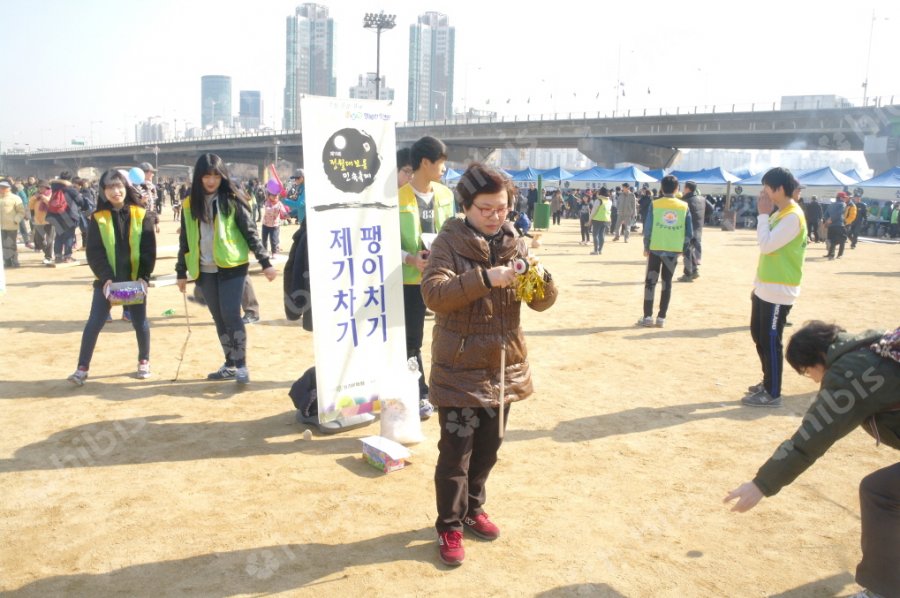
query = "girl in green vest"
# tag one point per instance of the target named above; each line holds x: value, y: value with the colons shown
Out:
x: 217, y: 234
x: 121, y: 246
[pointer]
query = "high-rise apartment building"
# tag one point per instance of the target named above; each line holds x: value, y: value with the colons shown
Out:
x: 309, y: 59
x: 215, y: 100
x: 152, y: 129
x: 250, y: 115
x: 431, y: 56
x: 365, y: 90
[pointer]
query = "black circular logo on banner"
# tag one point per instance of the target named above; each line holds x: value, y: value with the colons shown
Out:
x: 350, y: 159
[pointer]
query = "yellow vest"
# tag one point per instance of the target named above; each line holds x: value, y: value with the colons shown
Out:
x: 410, y: 225
x: 669, y: 215
x: 603, y: 210
x: 108, y: 236
x: 230, y: 248
x: 785, y: 264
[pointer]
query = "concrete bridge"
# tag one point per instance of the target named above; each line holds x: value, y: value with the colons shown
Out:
x: 652, y: 140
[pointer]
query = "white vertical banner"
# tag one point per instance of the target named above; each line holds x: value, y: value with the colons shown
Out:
x: 353, y: 225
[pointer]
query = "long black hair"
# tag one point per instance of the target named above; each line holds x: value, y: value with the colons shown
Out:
x: 111, y: 177
x: 213, y: 164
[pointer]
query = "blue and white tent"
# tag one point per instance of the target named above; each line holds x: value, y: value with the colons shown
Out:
x: 524, y: 176
x: 825, y: 177
x: 556, y: 174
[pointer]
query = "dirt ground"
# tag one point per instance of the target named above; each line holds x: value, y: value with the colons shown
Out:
x: 610, y: 482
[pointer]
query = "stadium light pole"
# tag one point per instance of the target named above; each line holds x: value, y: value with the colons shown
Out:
x: 379, y: 22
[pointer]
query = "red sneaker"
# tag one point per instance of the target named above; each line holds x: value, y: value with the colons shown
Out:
x: 482, y: 527
x: 452, y: 551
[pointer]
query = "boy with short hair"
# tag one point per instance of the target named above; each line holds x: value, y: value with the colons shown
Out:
x: 782, y: 244
x: 668, y: 225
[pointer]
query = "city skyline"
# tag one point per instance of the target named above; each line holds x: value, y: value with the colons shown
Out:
x: 567, y: 58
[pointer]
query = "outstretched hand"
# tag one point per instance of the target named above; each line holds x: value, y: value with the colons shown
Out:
x: 748, y: 496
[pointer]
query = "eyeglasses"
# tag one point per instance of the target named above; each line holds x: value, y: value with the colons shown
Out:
x: 488, y: 212
x: 407, y: 170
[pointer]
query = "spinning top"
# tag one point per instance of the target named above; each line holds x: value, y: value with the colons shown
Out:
x: 520, y: 266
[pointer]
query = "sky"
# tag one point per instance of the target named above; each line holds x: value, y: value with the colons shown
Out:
x: 91, y: 69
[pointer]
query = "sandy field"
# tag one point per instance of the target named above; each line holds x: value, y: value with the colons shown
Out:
x: 610, y: 482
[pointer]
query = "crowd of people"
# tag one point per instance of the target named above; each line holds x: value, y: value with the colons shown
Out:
x: 459, y: 254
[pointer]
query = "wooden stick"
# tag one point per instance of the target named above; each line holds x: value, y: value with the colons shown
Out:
x: 502, y: 386
x: 186, y: 339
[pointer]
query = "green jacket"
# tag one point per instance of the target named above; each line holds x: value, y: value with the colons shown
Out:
x: 859, y: 389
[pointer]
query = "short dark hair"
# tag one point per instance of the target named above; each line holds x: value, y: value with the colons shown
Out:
x: 479, y: 179
x: 65, y: 175
x: 780, y: 177
x: 809, y: 345
x: 690, y: 186
x: 403, y: 158
x: 428, y: 147
x: 604, y: 191
x: 669, y: 184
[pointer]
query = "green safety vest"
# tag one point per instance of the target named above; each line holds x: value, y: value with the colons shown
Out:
x: 669, y: 215
x: 894, y: 215
x: 411, y: 226
x: 230, y: 248
x: 785, y: 264
x: 603, y: 210
x: 108, y: 236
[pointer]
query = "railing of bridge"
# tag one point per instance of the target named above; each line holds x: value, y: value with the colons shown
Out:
x: 147, y: 147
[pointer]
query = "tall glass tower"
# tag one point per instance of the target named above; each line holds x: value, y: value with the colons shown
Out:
x: 432, y: 43
x: 250, y: 113
x: 215, y: 100
x: 309, y: 59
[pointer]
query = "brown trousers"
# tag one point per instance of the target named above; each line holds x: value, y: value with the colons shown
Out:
x: 467, y: 453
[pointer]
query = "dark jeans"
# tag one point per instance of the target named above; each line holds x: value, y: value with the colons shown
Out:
x: 692, y: 253
x: 10, y: 252
x: 879, y: 505
x: 585, y: 232
x: 270, y: 232
x: 467, y: 451
x: 63, y: 243
x: 223, y: 298
x: 657, y: 265
x: 99, y: 312
x: 812, y: 227
x: 837, y: 236
x: 854, y: 234
x: 767, y: 328
x: 557, y: 217
x: 599, y: 229
x: 414, y: 315
x: 44, y: 236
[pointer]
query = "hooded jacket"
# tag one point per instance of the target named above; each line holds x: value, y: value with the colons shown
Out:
x: 860, y: 388
x: 473, y: 320
x: 69, y: 219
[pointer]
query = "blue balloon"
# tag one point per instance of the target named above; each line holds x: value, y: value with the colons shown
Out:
x: 136, y: 176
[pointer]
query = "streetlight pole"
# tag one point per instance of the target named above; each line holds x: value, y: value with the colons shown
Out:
x: 378, y: 22
x: 94, y: 122
x: 865, y: 84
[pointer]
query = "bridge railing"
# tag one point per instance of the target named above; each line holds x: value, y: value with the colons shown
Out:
x: 705, y: 109
x: 147, y: 146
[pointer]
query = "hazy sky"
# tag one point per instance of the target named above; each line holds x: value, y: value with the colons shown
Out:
x: 83, y: 68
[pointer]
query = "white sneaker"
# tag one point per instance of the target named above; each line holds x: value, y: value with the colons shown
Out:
x: 78, y: 377
x: 645, y: 322
x: 660, y: 322
x: 143, y: 370
x: 242, y: 375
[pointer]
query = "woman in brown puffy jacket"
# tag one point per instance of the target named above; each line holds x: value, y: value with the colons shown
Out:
x: 468, y: 284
